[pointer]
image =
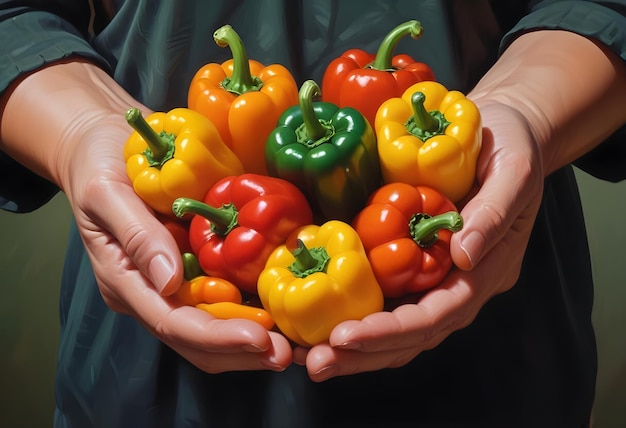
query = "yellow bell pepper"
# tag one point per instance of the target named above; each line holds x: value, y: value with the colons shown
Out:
x: 325, y: 280
x: 175, y: 154
x: 430, y: 137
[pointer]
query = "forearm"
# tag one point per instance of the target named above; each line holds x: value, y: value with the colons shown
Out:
x: 45, y: 114
x: 569, y: 89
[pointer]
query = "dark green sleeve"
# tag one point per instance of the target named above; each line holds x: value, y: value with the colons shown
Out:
x: 605, y: 22
x: 32, y: 38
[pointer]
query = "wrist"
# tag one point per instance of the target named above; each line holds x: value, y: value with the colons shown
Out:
x: 567, y: 88
x: 48, y: 114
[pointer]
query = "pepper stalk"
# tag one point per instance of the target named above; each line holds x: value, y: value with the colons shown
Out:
x: 223, y: 219
x: 385, y: 50
x: 241, y: 80
x: 191, y: 266
x: 424, y: 124
x: 313, y: 131
x: 308, y: 260
x: 424, y: 228
x: 160, y: 145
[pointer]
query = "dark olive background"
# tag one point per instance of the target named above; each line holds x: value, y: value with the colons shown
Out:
x: 31, y: 260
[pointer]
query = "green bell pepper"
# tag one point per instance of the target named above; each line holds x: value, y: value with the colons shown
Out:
x: 328, y: 152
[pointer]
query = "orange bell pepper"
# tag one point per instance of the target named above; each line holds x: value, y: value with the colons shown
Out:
x: 230, y: 310
x: 200, y: 288
x: 406, y: 233
x: 243, y: 98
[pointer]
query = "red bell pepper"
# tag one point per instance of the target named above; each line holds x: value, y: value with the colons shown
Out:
x: 364, y: 81
x: 406, y: 233
x: 179, y: 228
x: 242, y: 219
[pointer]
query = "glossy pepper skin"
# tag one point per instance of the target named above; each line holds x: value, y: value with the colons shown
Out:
x: 175, y: 154
x: 240, y: 222
x: 318, y: 279
x: 406, y: 233
x: 231, y: 310
x: 327, y: 152
x: 243, y: 98
x: 198, y: 287
x: 430, y: 136
x: 179, y: 229
x: 364, y: 81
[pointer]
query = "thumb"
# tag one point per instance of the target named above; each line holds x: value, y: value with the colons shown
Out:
x: 508, y: 197
x: 150, y: 247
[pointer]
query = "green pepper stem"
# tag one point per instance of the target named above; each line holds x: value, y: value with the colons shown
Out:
x: 222, y: 219
x: 304, y: 259
x: 423, y: 119
x: 191, y: 266
x: 241, y: 81
x: 425, y: 124
x: 387, y: 46
x: 161, y: 145
x: 308, y: 261
x: 424, y: 228
x: 315, y: 130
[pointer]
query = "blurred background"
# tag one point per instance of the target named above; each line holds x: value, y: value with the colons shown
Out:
x: 31, y: 261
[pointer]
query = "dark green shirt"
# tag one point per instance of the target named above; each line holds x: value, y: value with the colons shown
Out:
x: 528, y: 360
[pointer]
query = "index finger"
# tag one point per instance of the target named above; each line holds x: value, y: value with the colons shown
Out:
x: 448, y: 307
x: 509, y: 177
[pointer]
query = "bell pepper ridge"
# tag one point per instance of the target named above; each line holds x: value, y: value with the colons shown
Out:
x: 223, y: 219
x: 385, y: 50
x: 424, y: 227
x: 160, y: 145
x: 241, y: 81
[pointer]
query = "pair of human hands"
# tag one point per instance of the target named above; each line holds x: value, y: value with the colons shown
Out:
x: 137, y: 263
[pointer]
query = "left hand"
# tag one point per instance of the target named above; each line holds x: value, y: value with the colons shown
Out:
x: 488, y: 253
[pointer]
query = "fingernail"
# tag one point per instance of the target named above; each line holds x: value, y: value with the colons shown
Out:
x: 271, y: 364
x: 350, y: 345
x: 324, y: 373
x: 161, y: 272
x: 472, y: 245
x: 253, y: 347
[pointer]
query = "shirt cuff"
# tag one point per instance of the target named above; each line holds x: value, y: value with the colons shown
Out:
x: 586, y: 18
x: 30, y: 40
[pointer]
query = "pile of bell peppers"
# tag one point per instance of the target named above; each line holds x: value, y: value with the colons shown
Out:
x: 300, y: 207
